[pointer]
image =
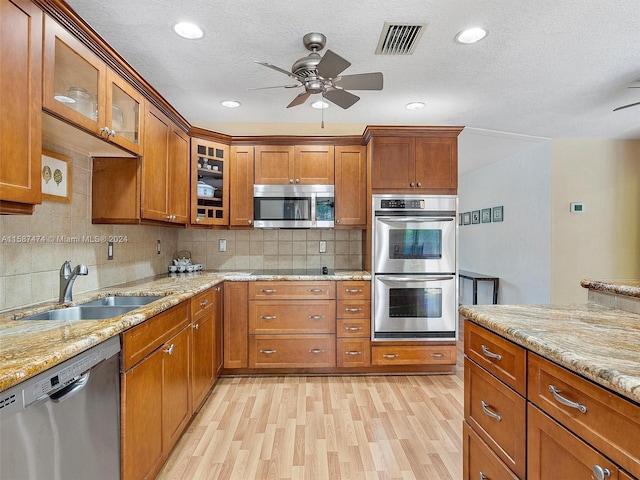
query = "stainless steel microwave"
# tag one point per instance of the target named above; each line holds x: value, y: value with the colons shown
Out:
x: 293, y: 206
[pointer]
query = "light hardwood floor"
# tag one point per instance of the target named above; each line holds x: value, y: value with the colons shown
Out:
x: 355, y: 427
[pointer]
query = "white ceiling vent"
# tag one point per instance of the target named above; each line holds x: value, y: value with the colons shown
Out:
x: 399, y: 38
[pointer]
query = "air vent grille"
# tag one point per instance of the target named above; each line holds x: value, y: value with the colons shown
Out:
x: 399, y: 39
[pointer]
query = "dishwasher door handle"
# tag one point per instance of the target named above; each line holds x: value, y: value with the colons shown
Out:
x: 71, y: 389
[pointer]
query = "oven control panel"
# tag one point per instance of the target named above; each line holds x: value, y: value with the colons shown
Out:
x: 402, y: 204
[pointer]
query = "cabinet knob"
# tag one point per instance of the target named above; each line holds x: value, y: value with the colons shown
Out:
x: 297, y: 180
x: 170, y: 349
x: 196, y: 326
x: 419, y: 184
x: 337, y: 220
x: 412, y: 184
x: 249, y: 222
x: 291, y: 180
x: 600, y: 473
x: 198, y: 220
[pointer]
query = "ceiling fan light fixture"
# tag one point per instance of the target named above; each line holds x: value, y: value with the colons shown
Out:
x: 415, y: 105
x: 230, y: 103
x: 471, y: 35
x: 188, y: 30
x: 320, y: 105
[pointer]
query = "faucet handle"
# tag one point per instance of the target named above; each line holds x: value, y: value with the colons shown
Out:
x: 81, y: 269
x: 65, y: 270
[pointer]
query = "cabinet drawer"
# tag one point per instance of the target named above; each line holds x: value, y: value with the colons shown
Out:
x: 294, y: 316
x: 497, y: 414
x: 354, y: 309
x: 292, y: 351
x: 500, y: 357
x: 609, y: 423
x: 201, y: 304
x: 413, y: 355
x: 555, y: 453
x: 354, y: 352
x: 143, y: 339
x: 353, y: 328
x: 479, y: 460
x: 292, y: 290
x: 360, y: 289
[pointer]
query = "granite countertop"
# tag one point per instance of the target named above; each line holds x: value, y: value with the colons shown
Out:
x: 30, y: 347
x: 629, y: 288
x: 597, y: 342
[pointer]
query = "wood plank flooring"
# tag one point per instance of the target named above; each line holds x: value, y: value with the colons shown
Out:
x: 356, y: 427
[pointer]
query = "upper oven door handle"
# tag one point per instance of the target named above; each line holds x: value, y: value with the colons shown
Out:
x: 413, y: 278
x: 415, y: 219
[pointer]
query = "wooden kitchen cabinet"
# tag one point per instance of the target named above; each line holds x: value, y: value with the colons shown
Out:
x: 165, y: 167
x: 79, y: 87
x: 241, y: 174
x: 353, y: 324
x: 155, y: 390
x: 300, y: 164
x: 414, y: 159
x: 351, y: 186
x: 236, y: 324
x: 203, y: 326
x: 480, y: 461
x: 21, y: 100
x: 210, y: 167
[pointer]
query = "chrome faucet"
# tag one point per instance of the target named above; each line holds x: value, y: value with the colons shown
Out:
x: 67, y: 277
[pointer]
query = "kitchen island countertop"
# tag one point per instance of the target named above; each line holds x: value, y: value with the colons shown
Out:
x: 28, y: 347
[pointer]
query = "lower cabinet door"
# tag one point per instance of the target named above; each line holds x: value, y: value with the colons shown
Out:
x: 141, y: 449
x: 176, y: 391
x: 554, y: 452
x: 203, y: 370
x: 292, y: 351
x: 479, y: 461
x: 413, y: 355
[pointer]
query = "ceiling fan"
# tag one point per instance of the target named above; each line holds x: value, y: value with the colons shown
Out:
x: 321, y: 74
x: 631, y: 104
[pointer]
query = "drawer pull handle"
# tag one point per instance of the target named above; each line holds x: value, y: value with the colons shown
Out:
x: 196, y: 326
x: 485, y: 409
x: 268, y: 352
x: 268, y: 317
x: 353, y: 353
x: 316, y: 317
x: 316, y: 290
x: 268, y: 290
x: 483, y: 476
x: 600, y: 473
x: 170, y: 349
x: 353, y: 329
x: 204, y: 303
x: 390, y: 355
x: 316, y: 350
x: 353, y: 290
x: 556, y: 394
x: 490, y: 354
x: 438, y: 355
x: 353, y: 309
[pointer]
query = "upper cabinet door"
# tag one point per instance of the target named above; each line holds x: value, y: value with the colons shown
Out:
x: 393, y: 162
x: 241, y: 186
x: 21, y: 100
x: 274, y: 165
x: 351, y: 187
x: 124, y: 113
x: 436, y: 162
x: 314, y: 164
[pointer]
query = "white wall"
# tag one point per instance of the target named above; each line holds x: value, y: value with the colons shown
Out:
x: 517, y: 250
x: 603, y: 242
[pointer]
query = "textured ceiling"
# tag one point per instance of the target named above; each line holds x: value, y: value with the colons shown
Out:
x: 550, y: 69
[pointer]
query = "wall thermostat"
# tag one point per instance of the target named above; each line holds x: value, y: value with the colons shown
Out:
x: 576, y: 207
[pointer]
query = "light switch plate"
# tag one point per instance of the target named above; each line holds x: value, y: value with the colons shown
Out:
x: 323, y: 246
x: 222, y: 245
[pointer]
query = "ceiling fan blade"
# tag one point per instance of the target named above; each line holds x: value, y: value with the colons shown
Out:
x: 361, y: 81
x: 342, y: 98
x: 278, y: 69
x: 275, y: 86
x: 299, y: 100
x: 332, y: 65
x: 626, y: 106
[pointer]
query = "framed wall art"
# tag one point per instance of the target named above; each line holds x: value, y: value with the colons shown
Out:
x: 498, y: 214
x: 486, y: 215
x: 56, y: 177
x: 466, y: 218
x: 475, y: 216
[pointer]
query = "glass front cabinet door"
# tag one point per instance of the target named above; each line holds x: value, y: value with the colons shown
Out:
x: 79, y: 87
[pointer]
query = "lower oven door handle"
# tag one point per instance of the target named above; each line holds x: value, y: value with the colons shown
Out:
x: 414, y: 219
x: 417, y: 278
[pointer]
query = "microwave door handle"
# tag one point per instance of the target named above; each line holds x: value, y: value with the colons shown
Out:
x: 313, y: 210
x: 415, y: 219
x: 396, y: 278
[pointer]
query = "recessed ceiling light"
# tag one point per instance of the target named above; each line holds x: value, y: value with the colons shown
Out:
x: 471, y: 35
x: 230, y: 103
x: 320, y: 104
x: 416, y: 105
x: 188, y: 30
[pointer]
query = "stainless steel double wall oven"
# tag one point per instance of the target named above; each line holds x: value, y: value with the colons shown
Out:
x: 415, y: 289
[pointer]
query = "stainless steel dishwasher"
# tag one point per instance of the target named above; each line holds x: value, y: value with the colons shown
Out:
x: 64, y: 423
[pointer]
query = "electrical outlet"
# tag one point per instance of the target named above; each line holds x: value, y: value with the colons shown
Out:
x: 323, y: 246
x: 222, y: 245
x: 158, y: 247
x: 110, y: 251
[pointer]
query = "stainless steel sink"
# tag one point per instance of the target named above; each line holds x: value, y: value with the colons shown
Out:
x: 82, y: 312
x: 123, y: 300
